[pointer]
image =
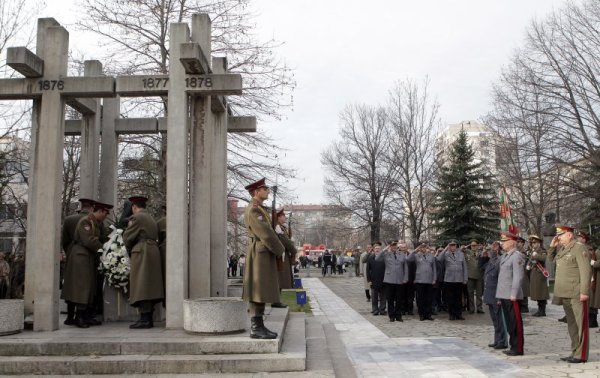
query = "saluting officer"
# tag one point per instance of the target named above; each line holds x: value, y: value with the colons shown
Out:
x: 145, y: 280
x: 455, y: 277
x: 261, y: 281
x: 490, y: 263
x: 509, y: 291
x: 572, y: 288
x: 538, y: 282
x: 66, y: 241
x: 289, y: 256
x: 475, y: 283
x: 425, y: 278
x: 80, y: 273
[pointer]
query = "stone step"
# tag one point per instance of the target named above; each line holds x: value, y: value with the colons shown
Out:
x: 292, y: 357
x: 118, y: 339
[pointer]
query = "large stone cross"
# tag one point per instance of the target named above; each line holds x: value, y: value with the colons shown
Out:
x: 47, y: 84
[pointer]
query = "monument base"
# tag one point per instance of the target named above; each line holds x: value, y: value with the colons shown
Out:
x: 217, y: 315
x: 12, y: 315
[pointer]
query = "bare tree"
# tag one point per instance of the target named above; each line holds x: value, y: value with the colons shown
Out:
x: 414, y: 124
x: 561, y: 64
x: 361, y: 176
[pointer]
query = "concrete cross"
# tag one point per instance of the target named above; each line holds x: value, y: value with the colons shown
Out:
x: 47, y: 84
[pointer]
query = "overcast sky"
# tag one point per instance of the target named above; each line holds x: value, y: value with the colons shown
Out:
x: 352, y: 51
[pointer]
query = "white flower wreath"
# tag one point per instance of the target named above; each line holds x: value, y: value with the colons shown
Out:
x: 115, y: 263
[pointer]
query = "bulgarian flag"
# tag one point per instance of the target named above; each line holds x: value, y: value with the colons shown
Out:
x: 507, y: 223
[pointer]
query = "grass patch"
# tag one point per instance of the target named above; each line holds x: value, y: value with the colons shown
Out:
x: 289, y: 298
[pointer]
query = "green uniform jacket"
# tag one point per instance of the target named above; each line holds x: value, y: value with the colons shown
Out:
x: 526, y: 283
x: 573, y: 271
x: 162, y: 245
x: 472, y: 268
x: 538, y: 285
x: 68, y: 230
x: 80, y: 271
x: 140, y: 238
x: 285, y: 277
x: 261, y: 281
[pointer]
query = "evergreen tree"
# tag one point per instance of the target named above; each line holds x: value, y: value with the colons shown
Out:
x: 466, y: 204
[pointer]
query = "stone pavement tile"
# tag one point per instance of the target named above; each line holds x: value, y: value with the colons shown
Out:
x: 373, y: 353
x: 546, y: 339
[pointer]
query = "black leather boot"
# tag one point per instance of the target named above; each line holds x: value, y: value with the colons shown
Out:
x: 80, y: 319
x: 593, y: 323
x: 90, y: 317
x: 145, y: 321
x: 70, y: 320
x: 258, y: 329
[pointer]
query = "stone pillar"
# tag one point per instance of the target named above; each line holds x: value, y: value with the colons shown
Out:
x: 200, y: 176
x: 42, y: 26
x: 110, y: 152
x: 43, y: 233
x: 177, y: 182
x: 90, y: 141
x: 218, y: 195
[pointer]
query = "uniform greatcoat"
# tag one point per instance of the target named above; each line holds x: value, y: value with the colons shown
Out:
x: 538, y: 284
x: 140, y: 238
x: 510, y: 276
x: 285, y: 276
x: 261, y: 282
x: 162, y: 245
x: 68, y: 230
x: 80, y: 272
x: 573, y: 271
x: 363, y: 269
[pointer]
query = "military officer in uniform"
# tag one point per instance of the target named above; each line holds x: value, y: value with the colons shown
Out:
x: 80, y: 273
x: 288, y: 258
x: 538, y: 282
x: 261, y: 282
x: 425, y: 278
x: 455, y: 277
x: 66, y: 241
x: 509, y: 291
x: 490, y: 264
x: 145, y: 280
x: 524, y: 303
x: 572, y: 288
x: 475, y: 283
x: 395, y: 277
x: 363, y: 271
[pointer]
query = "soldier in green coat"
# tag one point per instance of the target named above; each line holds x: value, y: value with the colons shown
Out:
x: 80, y: 273
x: 67, y: 236
x: 572, y: 288
x: 538, y: 279
x: 289, y: 256
x: 261, y: 281
x: 145, y: 280
x: 475, y: 283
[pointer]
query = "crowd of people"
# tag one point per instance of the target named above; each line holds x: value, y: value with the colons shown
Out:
x: 501, y: 274
x: 12, y: 276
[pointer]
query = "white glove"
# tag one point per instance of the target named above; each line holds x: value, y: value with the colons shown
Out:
x: 119, y: 231
x: 592, y: 262
x: 278, y: 230
x: 534, y: 254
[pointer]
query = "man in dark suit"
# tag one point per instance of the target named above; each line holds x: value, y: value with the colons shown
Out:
x: 375, y: 275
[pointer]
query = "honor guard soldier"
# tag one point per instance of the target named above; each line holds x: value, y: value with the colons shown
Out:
x: 572, y: 288
x: 288, y: 258
x: 261, y: 280
x: 509, y: 291
x: 66, y: 241
x: 455, y: 278
x: 80, y: 273
x: 538, y: 279
x: 145, y: 280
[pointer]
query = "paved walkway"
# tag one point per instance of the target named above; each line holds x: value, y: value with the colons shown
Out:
x: 378, y: 348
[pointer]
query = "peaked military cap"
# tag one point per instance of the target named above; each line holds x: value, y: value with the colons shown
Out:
x: 138, y: 199
x: 102, y: 206
x: 506, y: 236
x: 534, y: 237
x: 561, y: 229
x: 256, y: 185
x: 280, y: 212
